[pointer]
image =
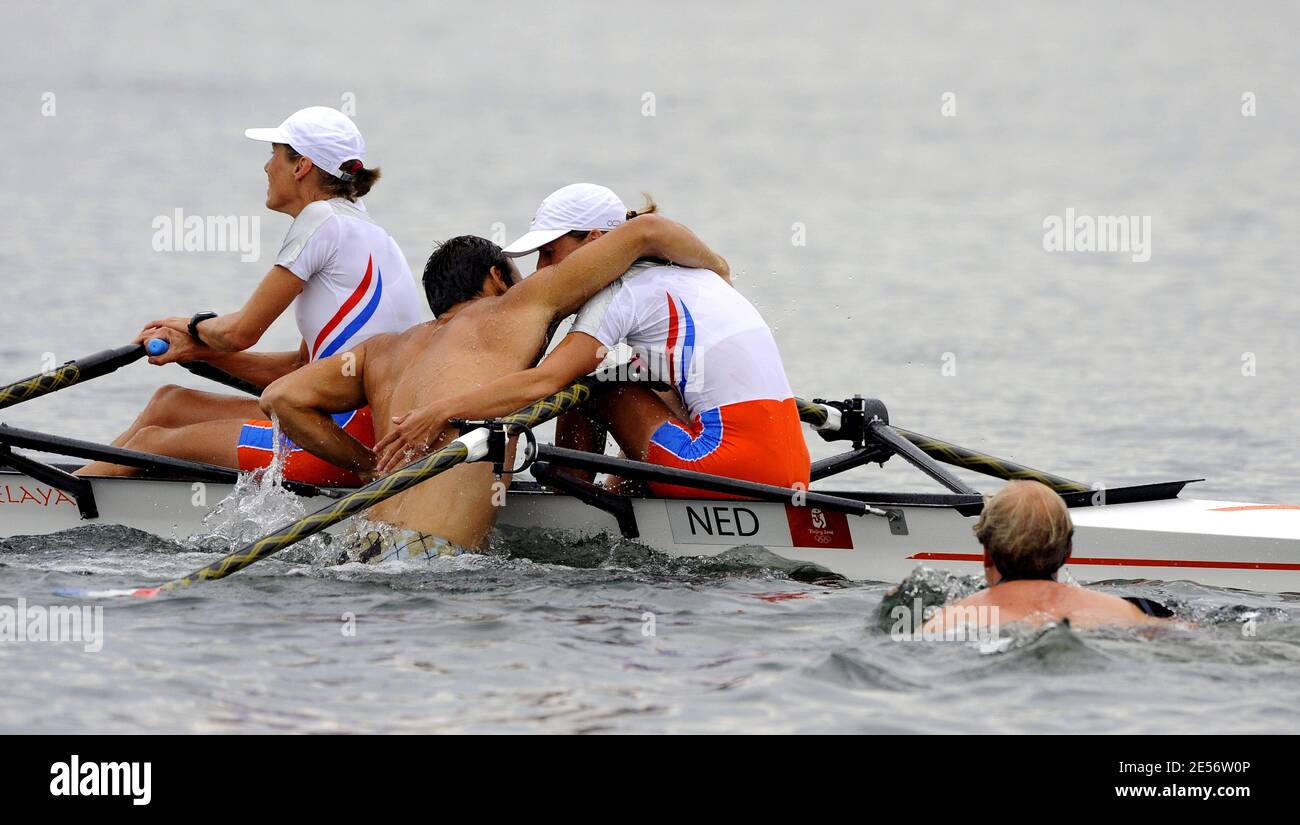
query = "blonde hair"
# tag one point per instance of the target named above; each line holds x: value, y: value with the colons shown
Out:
x: 646, y: 208
x: 1026, y: 531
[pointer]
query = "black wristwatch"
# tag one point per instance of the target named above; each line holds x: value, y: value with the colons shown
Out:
x: 199, y: 317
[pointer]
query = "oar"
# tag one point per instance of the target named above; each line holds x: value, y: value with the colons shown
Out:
x: 469, y: 447
x: 989, y: 465
x: 828, y: 418
x: 74, y: 372
x: 205, y: 370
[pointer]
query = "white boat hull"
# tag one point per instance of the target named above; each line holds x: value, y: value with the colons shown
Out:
x: 1225, y: 544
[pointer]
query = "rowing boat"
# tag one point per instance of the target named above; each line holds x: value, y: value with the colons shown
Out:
x: 1154, y: 535
x: 1134, y: 532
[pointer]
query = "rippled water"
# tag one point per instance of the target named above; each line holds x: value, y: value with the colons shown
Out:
x: 557, y: 641
x: 924, y: 249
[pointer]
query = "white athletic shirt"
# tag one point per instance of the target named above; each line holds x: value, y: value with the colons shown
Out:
x: 358, y: 282
x: 689, y: 328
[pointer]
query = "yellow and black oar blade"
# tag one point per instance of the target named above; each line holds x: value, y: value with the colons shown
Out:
x: 989, y: 465
x: 74, y: 372
x: 469, y: 447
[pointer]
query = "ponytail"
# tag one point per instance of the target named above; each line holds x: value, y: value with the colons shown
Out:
x: 360, y: 179
x: 646, y: 208
x: 358, y: 187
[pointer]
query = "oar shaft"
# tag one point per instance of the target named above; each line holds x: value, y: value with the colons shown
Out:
x: 918, y: 458
x: 989, y: 465
x: 819, y: 415
x: 438, y: 462
x: 205, y: 370
x: 628, y: 468
x: 812, y: 413
x: 59, y: 445
x: 65, y: 375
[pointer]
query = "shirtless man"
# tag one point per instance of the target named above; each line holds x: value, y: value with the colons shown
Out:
x: 1026, y: 533
x: 729, y: 410
x: 489, y: 322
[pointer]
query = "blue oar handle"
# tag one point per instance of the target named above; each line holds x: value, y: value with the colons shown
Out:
x: 156, y: 346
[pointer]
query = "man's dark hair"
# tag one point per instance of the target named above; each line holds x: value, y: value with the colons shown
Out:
x: 457, y: 268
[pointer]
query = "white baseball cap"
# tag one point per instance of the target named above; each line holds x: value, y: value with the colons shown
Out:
x: 573, y: 207
x: 325, y: 135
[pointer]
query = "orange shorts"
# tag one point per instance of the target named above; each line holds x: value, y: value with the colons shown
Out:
x: 256, y: 449
x: 754, y: 440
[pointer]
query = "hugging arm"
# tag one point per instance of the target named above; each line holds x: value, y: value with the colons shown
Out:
x: 564, y: 287
x: 577, y: 355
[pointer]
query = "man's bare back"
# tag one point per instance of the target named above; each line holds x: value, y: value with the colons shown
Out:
x: 490, y: 323
x: 1038, y: 602
x: 487, y: 338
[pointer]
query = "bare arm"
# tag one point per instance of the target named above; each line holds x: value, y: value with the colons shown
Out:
x: 564, y: 287
x: 683, y: 247
x: 260, y: 368
x: 303, y: 400
x: 234, y: 331
x: 577, y: 355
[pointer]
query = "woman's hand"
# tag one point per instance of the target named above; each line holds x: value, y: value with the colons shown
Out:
x: 179, y: 324
x: 180, y: 346
x: 410, y: 437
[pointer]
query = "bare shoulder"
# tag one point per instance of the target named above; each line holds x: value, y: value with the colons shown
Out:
x: 1028, y: 602
x: 375, y: 348
x: 1103, y: 608
x: 378, y: 353
x: 531, y: 288
x: 972, y: 610
x: 530, y: 294
x: 513, y: 312
x: 382, y: 341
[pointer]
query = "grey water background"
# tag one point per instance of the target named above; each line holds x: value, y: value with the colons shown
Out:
x: 923, y: 248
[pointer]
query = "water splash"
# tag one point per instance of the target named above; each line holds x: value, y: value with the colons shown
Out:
x: 603, y: 551
x: 930, y: 589
x: 357, y: 535
x: 259, y: 504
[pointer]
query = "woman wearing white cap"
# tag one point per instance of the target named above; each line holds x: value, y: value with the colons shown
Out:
x: 345, y: 277
x: 686, y: 327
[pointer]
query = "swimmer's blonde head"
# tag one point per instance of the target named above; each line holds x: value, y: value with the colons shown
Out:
x: 1025, y: 530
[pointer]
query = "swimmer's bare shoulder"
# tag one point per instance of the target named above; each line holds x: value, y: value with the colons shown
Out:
x: 1088, y: 608
x: 958, y: 614
x: 1084, y: 608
